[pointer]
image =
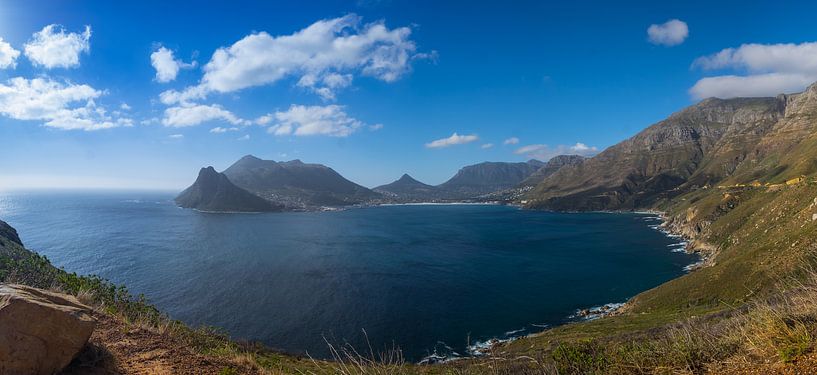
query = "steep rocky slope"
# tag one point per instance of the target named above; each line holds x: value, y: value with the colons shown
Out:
x: 551, y: 166
x: 213, y: 191
x: 693, y: 148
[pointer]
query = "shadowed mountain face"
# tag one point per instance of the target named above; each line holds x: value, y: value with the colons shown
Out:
x: 716, y: 141
x: 488, y: 177
x: 9, y: 233
x: 297, y: 184
x: 213, y: 191
x: 407, y: 189
x: 552, y: 165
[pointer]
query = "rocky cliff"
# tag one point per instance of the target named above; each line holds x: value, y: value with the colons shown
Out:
x: 696, y: 147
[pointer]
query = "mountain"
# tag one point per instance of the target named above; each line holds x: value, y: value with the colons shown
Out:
x: 693, y: 148
x: 213, y: 191
x: 296, y: 184
x: 551, y: 166
x: 407, y: 189
x: 488, y: 177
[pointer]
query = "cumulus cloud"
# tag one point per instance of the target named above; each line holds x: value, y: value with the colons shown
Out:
x: 327, y: 85
x: 183, y: 116
x: 487, y: 146
x: 769, y: 69
x: 53, y: 47
x: 8, y: 55
x: 454, y: 139
x: 545, y: 152
x: 245, y: 137
x: 166, y: 65
x: 375, y: 127
x: 511, y: 141
x: 57, y: 104
x: 300, y: 120
x: 670, y: 33
x: 323, y: 57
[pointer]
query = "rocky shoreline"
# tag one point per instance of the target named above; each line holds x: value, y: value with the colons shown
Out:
x: 671, y: 227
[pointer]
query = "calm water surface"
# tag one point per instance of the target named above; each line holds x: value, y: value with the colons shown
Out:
x: 423, y: 277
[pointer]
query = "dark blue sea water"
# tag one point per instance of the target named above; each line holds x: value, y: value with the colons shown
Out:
x: 421, y: 277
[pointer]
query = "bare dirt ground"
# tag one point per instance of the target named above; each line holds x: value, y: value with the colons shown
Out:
x: 118, y: 348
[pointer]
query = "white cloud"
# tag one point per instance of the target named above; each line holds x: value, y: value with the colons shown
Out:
x: 8, y: 55
x: 245, y: 137
x: 219, y: 130
x: 327, y: 85
x: 301, y: 120
x: 322, y: 56
x: 487, y: 146
x: 59, y: 105
x: 670, y: 33
x: 183, y: 116
x: 124, y: 107
x: 176, y: 136
x: 511, y: 141
x: 732, y: 86
x: 454, y: 139
x: 544, y: 152
x: 167, y: 67
x: 375, y: 127
x: 52, y: 47
x: 771, y: 69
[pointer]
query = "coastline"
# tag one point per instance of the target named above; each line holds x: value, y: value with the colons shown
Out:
x: 665, y: 226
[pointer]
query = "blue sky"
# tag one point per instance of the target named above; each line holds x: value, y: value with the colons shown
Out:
x: 142, y: 94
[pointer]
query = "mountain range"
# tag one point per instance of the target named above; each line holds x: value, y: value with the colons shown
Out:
x: 295, y: 185
x: 714, y: 142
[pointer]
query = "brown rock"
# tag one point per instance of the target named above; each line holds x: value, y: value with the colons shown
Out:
x: 40, y: 331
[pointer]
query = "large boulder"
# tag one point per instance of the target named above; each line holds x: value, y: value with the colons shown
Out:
x: 40, y: 331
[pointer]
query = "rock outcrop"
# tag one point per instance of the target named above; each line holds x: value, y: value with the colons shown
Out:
x: 8, y: 233
x: 40, y: 331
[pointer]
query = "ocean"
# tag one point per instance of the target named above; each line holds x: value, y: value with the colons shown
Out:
x: 433, y: 280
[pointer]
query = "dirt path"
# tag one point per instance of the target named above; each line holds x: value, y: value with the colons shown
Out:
x: 116, y: 348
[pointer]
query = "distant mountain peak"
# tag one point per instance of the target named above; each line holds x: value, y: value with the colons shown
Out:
x: 297, y: 184
x: 249, y: 157
x: 488, y: 177
x: 213, y: 191
x: 407, y: 188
